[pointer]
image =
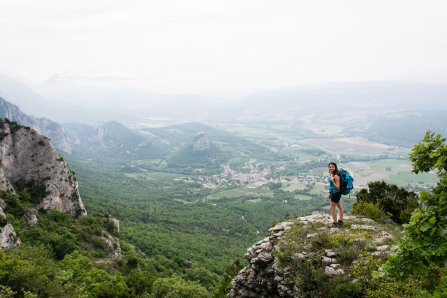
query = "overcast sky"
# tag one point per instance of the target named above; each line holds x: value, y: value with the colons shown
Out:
x: 224, y: 48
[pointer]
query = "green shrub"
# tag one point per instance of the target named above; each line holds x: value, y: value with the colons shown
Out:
x: 13, y: 205
x: 320, y: 241
x: 423, y: 249
x: 223, y: 287
x: 383, y: 287
x: 441, y: 288
x: 344, y: 289
x: 3, y: 222
x: 368, y: 209
x: 396, y: 202
x: 140, y: 282
x: 26, y: 268
x: 6, y: 292
x: 177, y: 287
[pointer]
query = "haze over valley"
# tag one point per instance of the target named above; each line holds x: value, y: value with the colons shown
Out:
x: 188, y: 131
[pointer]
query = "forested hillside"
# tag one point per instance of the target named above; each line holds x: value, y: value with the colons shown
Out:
x: 163, y: 215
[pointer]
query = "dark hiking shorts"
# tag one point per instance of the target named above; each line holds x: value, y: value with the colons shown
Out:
x: 335, y: 197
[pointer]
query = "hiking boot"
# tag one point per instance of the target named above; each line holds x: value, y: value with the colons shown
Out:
x: 334, y: 225
x: 340, y: 223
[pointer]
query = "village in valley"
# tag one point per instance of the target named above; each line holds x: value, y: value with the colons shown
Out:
x: 255, y: 175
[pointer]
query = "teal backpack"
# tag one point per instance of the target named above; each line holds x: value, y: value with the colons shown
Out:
x: 346, y: 182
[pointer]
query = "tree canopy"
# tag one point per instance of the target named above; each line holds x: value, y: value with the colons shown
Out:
x: 422, y: 251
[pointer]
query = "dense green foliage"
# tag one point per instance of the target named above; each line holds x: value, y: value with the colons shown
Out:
x: 422, y: 252
x: 397, y: 203
x: 368, y: 209
x: 181, y: 218
x: 67, y: 256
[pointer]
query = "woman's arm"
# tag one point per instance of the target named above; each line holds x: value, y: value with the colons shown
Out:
x: 336, y: 181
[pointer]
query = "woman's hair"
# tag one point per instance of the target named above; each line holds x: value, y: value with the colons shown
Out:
x: 336, y: 172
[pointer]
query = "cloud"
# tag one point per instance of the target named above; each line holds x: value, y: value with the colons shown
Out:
x: 224, y: 47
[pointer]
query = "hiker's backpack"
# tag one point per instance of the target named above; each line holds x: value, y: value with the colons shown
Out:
x: 346, y: 182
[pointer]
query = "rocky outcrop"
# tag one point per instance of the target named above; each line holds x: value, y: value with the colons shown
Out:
x: 5, y: 185
x: 263, y: 278
x: 29, y: 161
x: 8, y: 236
x: 111, y: 239
x: 43, y: 126
x: 30, y: 217
x: 267, y: 275
x: 201, y: 143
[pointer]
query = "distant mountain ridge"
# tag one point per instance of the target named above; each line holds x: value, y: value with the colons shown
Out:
x: 178, y: 143
x: 110, y: 139
x: 43, y: 126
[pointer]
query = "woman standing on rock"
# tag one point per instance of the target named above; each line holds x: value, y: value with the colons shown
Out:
x: 335, y: 194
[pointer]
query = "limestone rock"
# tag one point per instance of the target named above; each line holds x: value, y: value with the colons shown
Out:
x: 267, y: 276
x: 5, y: 185
x: 330, y: 270
x: 262, y: 278
x: 43, y: 126
x: 30, y: 217
x: 201, y: 143
x: 27, y: 157
x: 8, y: 236
x: 113, y: 245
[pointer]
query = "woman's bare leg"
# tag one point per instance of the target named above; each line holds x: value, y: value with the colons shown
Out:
x: 334, y: 212
x: 340, y: 211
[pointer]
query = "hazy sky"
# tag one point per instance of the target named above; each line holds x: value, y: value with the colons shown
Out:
x: 227, y: 47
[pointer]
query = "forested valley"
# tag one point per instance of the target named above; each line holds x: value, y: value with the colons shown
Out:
x: 186, y: 216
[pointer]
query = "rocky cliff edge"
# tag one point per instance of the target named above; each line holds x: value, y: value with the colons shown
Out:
x: 28, y: 162
x: 281, y: 264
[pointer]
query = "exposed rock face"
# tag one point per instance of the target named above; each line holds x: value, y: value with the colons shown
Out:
x: 5, y: 185
x: 267, y: 277
x: 262, y: 278
x: 201, y: 143
x: 28, y: 157
x: 30, y: 217
x: 113, y: 242
x: 109, y: 139
x: 43, y: 126
x: 8, y: 237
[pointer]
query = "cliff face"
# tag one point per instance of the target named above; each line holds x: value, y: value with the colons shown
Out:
x: 281, y: 264
x: 29, y: 160
x: 110, y: 139
x: 201, y: 143
x: 43, y: 126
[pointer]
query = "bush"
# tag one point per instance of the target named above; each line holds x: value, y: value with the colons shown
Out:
x: 140, y: 282
x: 177, y: 287
x: 422, y: 252
x: 397, y: 203
x: 320, y: 241
x: 25, y: 268
x: 370, y: 210
x: 13, y: 205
